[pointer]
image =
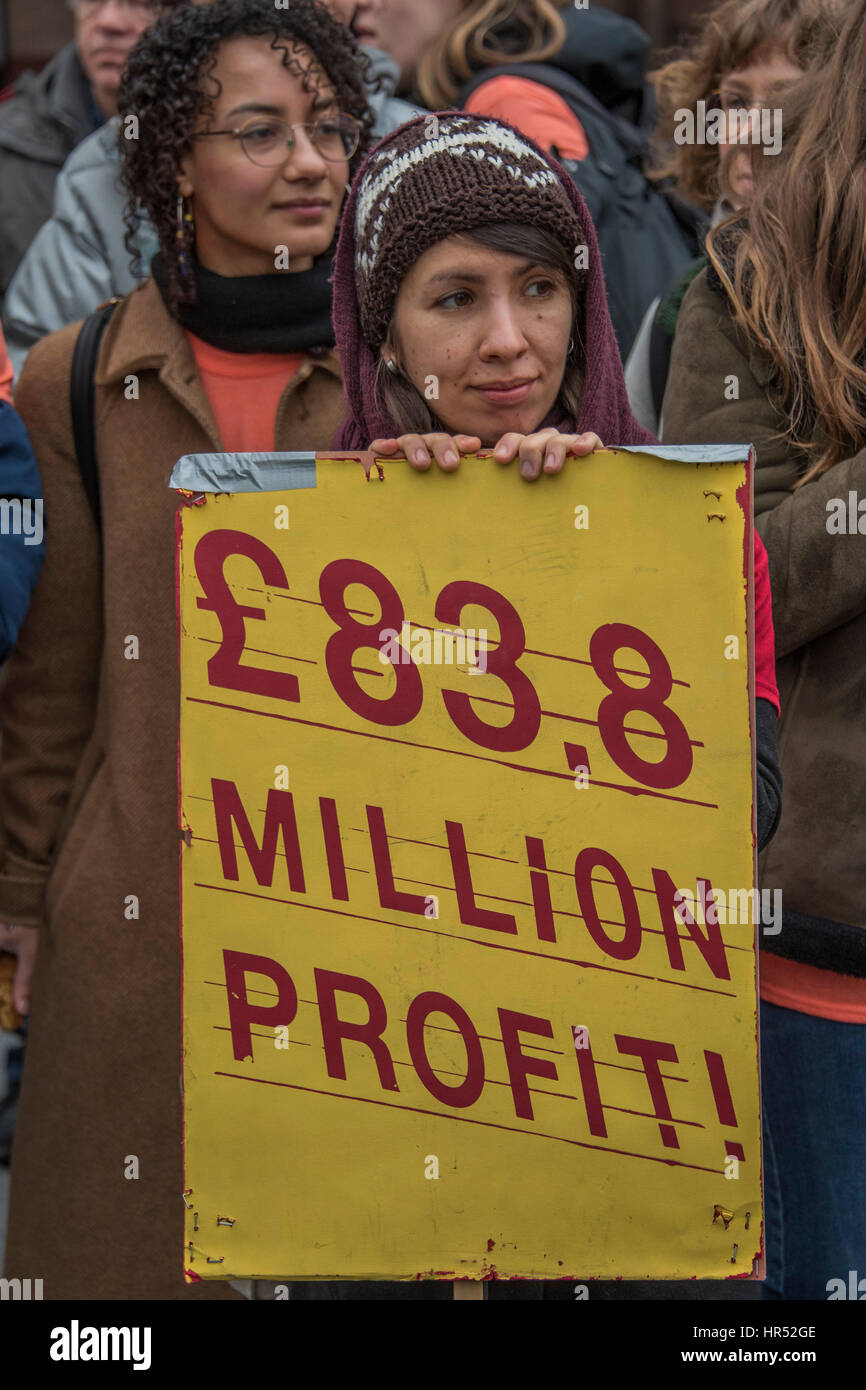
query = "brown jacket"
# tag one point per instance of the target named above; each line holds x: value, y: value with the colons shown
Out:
x: 818, y: 857
x: 89, y: 796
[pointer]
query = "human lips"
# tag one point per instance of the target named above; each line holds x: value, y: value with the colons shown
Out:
x: 506, y: 392
x: 109, y: 57
x: 304, y: 207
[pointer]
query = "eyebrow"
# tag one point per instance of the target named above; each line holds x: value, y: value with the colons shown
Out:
x: 473, y: 278
x: 261, y: 108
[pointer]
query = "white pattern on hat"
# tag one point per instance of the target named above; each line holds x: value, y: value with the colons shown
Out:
x: 490, y: 133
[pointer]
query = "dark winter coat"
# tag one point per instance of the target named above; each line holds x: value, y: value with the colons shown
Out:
x: 719, y: 389
x: 88, y: 790
x: 40, y: 125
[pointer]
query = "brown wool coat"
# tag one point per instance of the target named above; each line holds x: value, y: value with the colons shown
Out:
x: 818, y: 580
x: 88, y: 780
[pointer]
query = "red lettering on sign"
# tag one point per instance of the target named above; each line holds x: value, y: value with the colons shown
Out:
x: 389, y: 895
x: 336, y: 1029
x: 540, y: 883
x: 224, y: 668
x: 501, y: 661
x: 334, y: 849
x: 279, y: 817
x: 676, y: 765
x: 351, y: 636
x: 586, y: 861
x: 281, y: 831
x: 711, y: 946
x: 242, y: 1013
x: 519, y: 1064
x: 467, y: 1091
x: 471, y: 915
x: 651, y: 1053
x: 405, y: 701
x: 591, y: 1095
x: 724, y: 1103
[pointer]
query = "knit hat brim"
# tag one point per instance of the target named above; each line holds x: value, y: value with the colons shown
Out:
x: 604, y: 403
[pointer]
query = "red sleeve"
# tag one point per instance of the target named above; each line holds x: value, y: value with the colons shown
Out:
x: 534, y: 109
x: 765, y: 646
x: 5, y: 372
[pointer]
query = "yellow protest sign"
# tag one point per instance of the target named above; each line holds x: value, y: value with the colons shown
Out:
x: 469, y: 973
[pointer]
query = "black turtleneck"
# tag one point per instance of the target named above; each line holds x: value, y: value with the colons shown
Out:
x: 287, y: 311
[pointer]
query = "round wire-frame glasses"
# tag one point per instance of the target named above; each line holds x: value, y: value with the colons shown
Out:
x: 269, y: 140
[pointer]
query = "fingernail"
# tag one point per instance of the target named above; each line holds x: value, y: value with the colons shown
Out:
x: 549, y: 461
x: 420, y: 456
x: 450, y: 456
x: 526, y: 469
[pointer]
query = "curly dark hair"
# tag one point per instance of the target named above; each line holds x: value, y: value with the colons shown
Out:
x: 166, y: 88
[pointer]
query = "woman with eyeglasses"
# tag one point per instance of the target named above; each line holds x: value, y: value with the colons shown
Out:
x: 242, y: 172
x: 241, y: 123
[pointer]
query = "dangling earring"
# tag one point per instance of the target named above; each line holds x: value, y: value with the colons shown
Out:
x: 184, y: 236
x: 570, y: 346
x: 392, y: 366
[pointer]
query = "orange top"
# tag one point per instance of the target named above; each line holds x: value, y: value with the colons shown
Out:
x: 807, y: 990
x: 5, y: 372
x: 244, y: 389
x: 534, y: 109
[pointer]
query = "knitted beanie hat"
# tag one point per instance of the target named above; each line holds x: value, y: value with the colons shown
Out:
x: 483, y: 171
x: 437, y: 177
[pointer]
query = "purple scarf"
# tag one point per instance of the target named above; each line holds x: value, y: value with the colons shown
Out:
x: 604, y: 404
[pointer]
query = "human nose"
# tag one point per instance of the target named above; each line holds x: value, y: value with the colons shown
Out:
x: 303, y: 159
x: 749, y: 119
x: 503, y: 334
x: 113, y: 14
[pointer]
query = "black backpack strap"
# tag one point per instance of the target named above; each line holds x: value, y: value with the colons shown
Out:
x: 661, y: 346
x: 81, y: 399
x: 664, y: 327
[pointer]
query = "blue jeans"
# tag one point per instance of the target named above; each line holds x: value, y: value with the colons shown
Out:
x: 814, y: 1108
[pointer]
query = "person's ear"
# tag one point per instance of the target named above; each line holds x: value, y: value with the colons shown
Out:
x: 387, y: 354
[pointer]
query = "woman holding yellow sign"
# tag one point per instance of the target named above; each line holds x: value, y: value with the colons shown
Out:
x: 470, y: 311
x: 468, y: 295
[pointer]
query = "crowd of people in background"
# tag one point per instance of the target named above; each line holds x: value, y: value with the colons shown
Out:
x: 238, y: 205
